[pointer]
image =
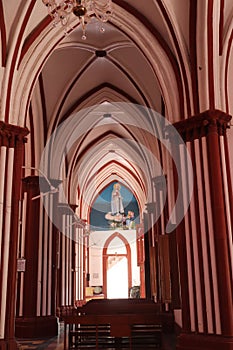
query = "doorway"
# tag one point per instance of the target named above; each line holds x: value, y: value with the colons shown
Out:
x: 117, y: 273
x: 117, y: 277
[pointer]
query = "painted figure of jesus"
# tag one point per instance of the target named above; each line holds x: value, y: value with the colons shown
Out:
x: 116, y: 201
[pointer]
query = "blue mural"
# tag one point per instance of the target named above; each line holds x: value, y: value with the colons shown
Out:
x: 115, y: 207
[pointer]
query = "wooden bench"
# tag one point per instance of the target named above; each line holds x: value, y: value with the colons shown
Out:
x: 112, y: 306
x: 115, y: 323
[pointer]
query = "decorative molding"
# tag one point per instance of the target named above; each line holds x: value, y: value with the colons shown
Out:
x: 200, y: 125
x: 11, y: 134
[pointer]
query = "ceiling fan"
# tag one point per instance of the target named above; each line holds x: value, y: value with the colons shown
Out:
x: 79, y: 223
x: 87, y: 230
x: 52, y: 189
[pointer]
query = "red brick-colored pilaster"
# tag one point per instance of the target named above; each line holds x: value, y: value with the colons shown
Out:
x: 204, y: 133
x: 13, y: 136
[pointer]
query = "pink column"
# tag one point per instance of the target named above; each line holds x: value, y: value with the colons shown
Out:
x: 12, y: 138
x: 208, y: 323
x: 220, y: 229
x: 36, y: 306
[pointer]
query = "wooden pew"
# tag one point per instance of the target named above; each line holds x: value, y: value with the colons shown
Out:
x: 111, y: 306
x: 100, y: 322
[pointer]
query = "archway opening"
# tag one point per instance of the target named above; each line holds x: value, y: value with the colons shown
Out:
x: 117, y: 277
x: 117, y: 267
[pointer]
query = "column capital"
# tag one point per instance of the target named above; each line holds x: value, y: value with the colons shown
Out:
x: 150, y: 207
x: 11, y: 134
x: 32, y: 180
x: 159, y: 182
x: 73, y: 206
x: 40, y: 181
x: 66, y: 208
x: 201, y: 125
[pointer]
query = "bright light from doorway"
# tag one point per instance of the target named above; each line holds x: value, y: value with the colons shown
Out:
x: 117, y: 278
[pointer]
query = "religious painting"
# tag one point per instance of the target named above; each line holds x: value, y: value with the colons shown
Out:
x: 115, y: 207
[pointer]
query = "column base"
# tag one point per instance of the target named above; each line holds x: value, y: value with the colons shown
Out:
x: 204, y: 342
x: 36, y: 327
x: 9, y: 344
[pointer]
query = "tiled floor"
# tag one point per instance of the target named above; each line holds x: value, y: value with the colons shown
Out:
x: 57, y: 343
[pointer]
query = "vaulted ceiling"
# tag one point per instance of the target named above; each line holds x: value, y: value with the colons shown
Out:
x: 149, y: 54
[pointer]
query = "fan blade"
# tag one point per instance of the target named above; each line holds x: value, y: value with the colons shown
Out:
x: 40, y: 195
x: 36, y: 197
x: 41, y: 172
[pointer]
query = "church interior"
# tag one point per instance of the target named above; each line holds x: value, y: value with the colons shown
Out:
x: 116, y: 163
